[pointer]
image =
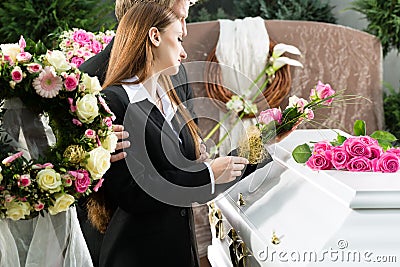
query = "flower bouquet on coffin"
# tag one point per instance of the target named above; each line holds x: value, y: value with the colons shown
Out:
x: 274, y: 124
x: 37, y: 193
x: 357, y: 153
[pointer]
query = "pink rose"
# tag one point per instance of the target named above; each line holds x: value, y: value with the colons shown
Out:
x: 318, y: 162
x: 81, y: 37
x: 359, y: 164
x: 82, y: 180
x: 38, y: 206
x: 96, y: 47
x: 24, y: 57
x: 269, y: 115
x: 34, y: 67
x: 388, y: 162
x: 70, y: 82
x: 24, y: 180
x: 322, y: 91
x: 89, y: 133
x: 77, y: 61
x: 356, y: 147
x: 16, y: 74
x: 322, y: 147
x: 368, y: 140
x: 376, y: 151
x: 339, y: 157
x: 394, y: 150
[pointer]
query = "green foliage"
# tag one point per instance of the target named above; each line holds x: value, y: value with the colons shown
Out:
x: 384, y: 20
x: 359, y: 128
x: 205, y: 11
x: 44, y: 20
x: 302, y: 153
x: 311, y: 10
x: 391, y: 105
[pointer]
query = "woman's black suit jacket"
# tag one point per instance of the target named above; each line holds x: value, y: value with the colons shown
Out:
x: 144, y: 230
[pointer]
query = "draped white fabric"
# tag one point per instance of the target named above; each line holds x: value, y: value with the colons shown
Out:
x: 242, y: 48
x: 47, y: 241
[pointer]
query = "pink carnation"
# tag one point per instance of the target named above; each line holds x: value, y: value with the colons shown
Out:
x: 38, y: 206
x: 70, y: 82
x: 319, y: 162
x: 359, y: 164
x: 24, y: 180
x: 89, y: 133
x: 269, y: 115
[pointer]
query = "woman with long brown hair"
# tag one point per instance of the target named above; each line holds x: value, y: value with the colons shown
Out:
x: 144, y: 206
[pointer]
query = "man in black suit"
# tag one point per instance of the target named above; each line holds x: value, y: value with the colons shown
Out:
x: 97, y: 66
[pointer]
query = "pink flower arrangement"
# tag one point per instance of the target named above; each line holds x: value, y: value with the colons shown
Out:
x: 273, y: 121
x: 359, y: 153
x: 80, y: 45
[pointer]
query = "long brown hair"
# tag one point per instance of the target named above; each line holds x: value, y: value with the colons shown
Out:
x: 131, y: 55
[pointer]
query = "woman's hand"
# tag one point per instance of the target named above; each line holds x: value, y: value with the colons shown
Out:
x: 121, y: 134
x: 226, y: 169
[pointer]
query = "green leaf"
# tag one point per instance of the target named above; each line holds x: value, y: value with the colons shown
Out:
x: 384, y: 144
x: 301, y: 153
x: 383, y: 136
x: 359, y: 128
x: 339, y: 140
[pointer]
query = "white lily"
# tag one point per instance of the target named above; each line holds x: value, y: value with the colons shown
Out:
x: 282, y: 61
x: 279, y: 49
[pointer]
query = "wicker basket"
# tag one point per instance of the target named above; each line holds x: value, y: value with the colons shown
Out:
x: 273, y: 94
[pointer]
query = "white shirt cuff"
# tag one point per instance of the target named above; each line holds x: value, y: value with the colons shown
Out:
x: 211, y: 177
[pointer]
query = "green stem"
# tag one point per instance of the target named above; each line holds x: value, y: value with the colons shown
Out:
x: 216, y: 127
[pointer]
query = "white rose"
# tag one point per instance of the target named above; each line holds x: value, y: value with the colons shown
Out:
x: 62, y: 203
x: 17, y: 210
x: 110, y: 142
x: 92, y: 84
x: 11, y: 50
x: 49, y: 180
x: 87, y: 108
x: 58, y: 60
x: 98, y: 162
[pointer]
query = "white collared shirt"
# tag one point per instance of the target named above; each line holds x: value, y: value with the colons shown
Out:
x: 137, y: 93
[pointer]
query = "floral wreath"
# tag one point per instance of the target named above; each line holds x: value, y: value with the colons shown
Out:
x: 48, y: 84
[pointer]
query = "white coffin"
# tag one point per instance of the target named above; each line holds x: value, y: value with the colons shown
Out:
x: 325, y: 218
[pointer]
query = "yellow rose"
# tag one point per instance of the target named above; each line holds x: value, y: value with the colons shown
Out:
x: 11, y: 50
x: 98, y: 162
x: 110, y: 142
x: 49, y: 180
x: 92, y: 84
x: 87, y: 108
x: 62, y: 203
x: 58, y: 60
x: 17, y: 210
